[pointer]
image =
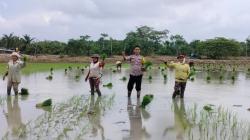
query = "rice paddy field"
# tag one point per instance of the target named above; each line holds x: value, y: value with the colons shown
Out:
x: 216, y: 105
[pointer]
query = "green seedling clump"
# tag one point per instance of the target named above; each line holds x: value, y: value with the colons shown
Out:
x: 103, y: 56
x: 165, y: 76
x: 150, y: 77
x: 123, y: 78
x: 221, y: 77
x: 208, y: 78
x: 109, y: 85
x: 45, y: 103
x: 50, y: 77
x: 233, y: 77
x: 24, y: 91
x: 208, y: 108
x: 192, y: 78
x: 147, y: 64
x: 146, y: 100
x: 25, y: 58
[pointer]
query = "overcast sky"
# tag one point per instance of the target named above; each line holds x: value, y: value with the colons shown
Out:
x: 65, y: 19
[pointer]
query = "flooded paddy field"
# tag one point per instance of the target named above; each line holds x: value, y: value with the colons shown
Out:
x: 212, y: 109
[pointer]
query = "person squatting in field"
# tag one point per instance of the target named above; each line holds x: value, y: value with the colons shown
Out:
x: 14, y: 72
x: 136, y: 72
x: 182, y: 71
x: 95, y: 73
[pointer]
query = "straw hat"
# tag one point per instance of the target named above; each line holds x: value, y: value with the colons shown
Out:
x: 15, y: 54
x: 95, y: 56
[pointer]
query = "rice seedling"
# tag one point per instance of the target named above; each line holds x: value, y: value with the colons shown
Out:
x: 45, y: 103
x: 147, y: 100
x: 208, y: 108
x: 147, y: 64
x: 50, y: 77
x: 221, y: 77
x: 215, y: 123
x: 104, y: 56
x: 208, y: 78
x: 233, y: 77
x: 109, y: 85
x: 165, y: 76
x: 150, y: 77
x: 67, y: 120
x: 24, y: 92
x: 123, y: 78
x: 192, y: 78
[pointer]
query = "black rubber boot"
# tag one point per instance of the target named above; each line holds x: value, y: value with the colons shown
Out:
x: 138, y: 94
x: 92, y: 92
x: 129, y: 94
x: 8, y: 91
x: 99, y: 92
x: 174, y: 95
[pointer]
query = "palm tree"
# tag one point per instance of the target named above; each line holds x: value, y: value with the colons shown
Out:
x: 103, y: 36
x: 85, y: 39
x: 27, y: 40
x: 8, y: 40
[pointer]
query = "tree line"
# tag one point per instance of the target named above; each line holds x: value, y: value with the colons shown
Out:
x: 152, y: 42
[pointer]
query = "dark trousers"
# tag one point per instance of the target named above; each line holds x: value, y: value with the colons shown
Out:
x: 134, y: 80
x: 94, y: 84
x: 179, y: 89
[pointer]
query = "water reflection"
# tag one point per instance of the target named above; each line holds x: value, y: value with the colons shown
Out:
x: 94, y: 116
x: 13, y: 116
x: 181, y: 123
x: 137, y: 131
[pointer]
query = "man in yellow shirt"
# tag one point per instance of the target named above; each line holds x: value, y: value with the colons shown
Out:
x: 182, y: 71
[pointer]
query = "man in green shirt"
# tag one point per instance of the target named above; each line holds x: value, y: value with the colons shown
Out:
x: 182, y: 71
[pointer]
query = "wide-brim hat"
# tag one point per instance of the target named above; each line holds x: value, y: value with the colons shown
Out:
x: 15, y: 54
x: 95, y: 56
x: 180, y: 56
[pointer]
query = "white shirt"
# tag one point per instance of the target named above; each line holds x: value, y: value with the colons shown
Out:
x: 95, y: 70
x: 14, y: 71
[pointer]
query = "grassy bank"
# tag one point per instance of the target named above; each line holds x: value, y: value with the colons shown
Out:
x: 43, y: 67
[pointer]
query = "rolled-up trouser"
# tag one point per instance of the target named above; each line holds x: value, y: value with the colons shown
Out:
x: 94, y: 84
x: 134, y: 80
x: 179, y: 88
x: 11, y: 84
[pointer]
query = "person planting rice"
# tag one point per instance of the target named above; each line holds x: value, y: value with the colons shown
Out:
x: 95, y: 73
x: 14, y: 72
x: 136, y: 71
x: 182, y: 71
x: 118, y: 65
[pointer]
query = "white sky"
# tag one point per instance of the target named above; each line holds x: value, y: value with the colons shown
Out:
x: 65, y: 19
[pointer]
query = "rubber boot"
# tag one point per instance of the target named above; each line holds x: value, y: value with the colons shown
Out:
x: 16, y: 93
x: 129, y: 94
x: 174, y: 95
x: 138, y: 94
x: 8, y: 91
x: 182, y: 95
x: 99, y: 92
x: 92, y: 92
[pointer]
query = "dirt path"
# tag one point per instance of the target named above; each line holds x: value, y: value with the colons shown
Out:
x: 155, y: 59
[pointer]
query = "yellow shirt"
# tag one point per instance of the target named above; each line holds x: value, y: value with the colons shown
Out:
x: 181, y: 71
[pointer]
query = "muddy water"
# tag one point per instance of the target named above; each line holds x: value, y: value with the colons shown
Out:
x: 123, y: 118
